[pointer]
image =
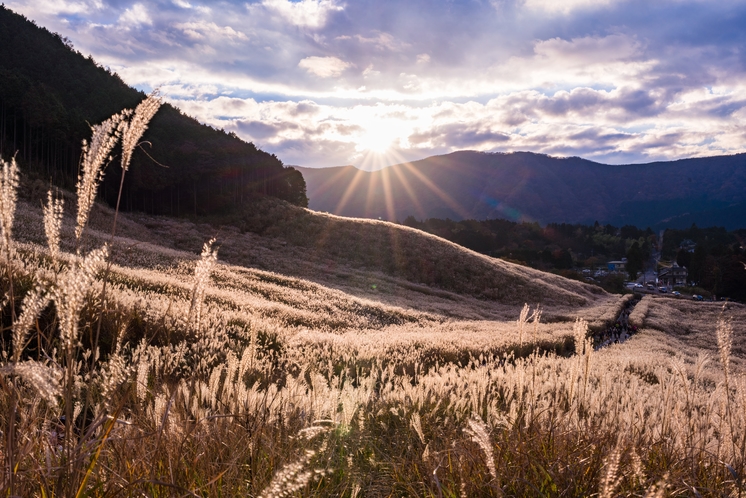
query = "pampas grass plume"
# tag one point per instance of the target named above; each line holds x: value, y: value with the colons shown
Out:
x: 8, y: 196
x: 95, y: 154
x: 53, y: 211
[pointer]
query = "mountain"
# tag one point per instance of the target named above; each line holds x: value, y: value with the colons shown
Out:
x: 49, y: 93
x: 528, y: 186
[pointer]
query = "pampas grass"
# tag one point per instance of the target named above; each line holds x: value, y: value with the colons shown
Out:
x: 213, y: 379
x: 95, y: 156
x: 53, y: 212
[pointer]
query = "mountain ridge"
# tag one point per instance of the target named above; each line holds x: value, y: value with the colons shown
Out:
x: 525, y: 186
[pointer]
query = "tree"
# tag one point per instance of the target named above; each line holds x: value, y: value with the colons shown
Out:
x: 635, y: 260
x: 698, y: 264
x: 684, y: 258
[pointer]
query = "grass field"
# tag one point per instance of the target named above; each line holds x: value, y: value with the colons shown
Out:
x: 303, y: 354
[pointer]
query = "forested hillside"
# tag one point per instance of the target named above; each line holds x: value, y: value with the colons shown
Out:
x: 714, y: 257
x: 524, y: 186
x: 50, y: 93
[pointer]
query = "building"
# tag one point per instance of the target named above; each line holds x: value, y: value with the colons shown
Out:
x: 688, y: 245
x: 617, y: 266
x: 673, y: 276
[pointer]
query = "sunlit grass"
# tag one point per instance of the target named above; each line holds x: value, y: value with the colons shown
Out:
x: 193, y: 375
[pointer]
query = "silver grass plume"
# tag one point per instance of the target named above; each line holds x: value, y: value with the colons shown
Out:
x: 724, y: 333
x: 53, y: 212
x: 522, y: 320
x: 536, y: 319
x: 136, y: 126
x: 291, y: 478
x: 70, y: 293
x: 33, y: 304
x: 201, y: 278
x: 416, y: 423
x: 8, y: 196
x: 611, y: 478
x: 44, y: 379
x: 658, y: 489
x: 477, y: 431
x: 95, y: 154
x: 579, y: 332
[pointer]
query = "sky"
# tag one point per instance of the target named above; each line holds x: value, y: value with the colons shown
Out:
x: 377, y: 82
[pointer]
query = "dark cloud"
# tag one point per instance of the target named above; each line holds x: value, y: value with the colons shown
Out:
x: 457, y: 136
x: 725, y: 108
x: 578, y: 100
x: 257, y: 129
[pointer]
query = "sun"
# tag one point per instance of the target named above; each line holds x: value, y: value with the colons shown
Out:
x: 378, y: 137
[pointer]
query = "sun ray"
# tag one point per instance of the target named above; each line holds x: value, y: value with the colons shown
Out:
x: 372, y: 181
x: 359, y: 174
x: 438, y: 191
x: 331, y: 182
x: 410, y: 192
x: 388, y: 195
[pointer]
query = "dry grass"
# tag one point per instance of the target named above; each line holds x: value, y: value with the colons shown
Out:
x: 222, y: 378
x: 689, y: 327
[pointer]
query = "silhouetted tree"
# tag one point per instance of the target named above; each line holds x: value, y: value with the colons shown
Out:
x: 635, y: 261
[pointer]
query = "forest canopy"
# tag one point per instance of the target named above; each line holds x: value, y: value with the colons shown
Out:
x: 49, y: 96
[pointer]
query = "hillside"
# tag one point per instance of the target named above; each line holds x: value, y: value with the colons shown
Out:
x: 526, y: 186
x: 310, y: 354
x: 321, y: 355
x: 386, y: 262
x: 48, y: 94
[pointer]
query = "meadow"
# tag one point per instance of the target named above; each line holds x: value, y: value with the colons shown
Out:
x: 296, y: 353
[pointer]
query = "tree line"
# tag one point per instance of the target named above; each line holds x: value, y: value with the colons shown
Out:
x: 715, y: 258
x: 50, y: 94
x: 555, y: 246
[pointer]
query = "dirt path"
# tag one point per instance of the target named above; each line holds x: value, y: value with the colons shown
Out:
x: 620, y: 330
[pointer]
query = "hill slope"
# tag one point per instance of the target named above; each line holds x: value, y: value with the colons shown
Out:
x: 48, y: 94
x: 528, y: 186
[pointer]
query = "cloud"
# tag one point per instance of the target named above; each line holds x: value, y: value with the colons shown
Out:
x: 200, y: 30
x: 136, y: 15
x: 564, y: 6
x: 314, y: 81
x: 590, y: 49
x: 324, y: 67
x: 457, y: 136
x: 306, y: 13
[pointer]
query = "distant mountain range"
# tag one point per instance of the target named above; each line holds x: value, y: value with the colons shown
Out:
x: 707, y: 191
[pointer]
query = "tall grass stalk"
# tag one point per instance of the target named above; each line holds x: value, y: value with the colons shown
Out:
x: 220, y: 380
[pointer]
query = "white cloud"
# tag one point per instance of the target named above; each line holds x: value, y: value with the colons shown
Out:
x: 605, y: 81
x: 324, y: 67
x: 306, y: 13
x: 135, y: 16
x: 564, y: 6
x: 582, y: 122
x: 47, y: 11
x: 589, y: 49
x: 201, y: 30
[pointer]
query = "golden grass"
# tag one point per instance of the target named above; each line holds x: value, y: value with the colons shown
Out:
x: 297, y: 377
